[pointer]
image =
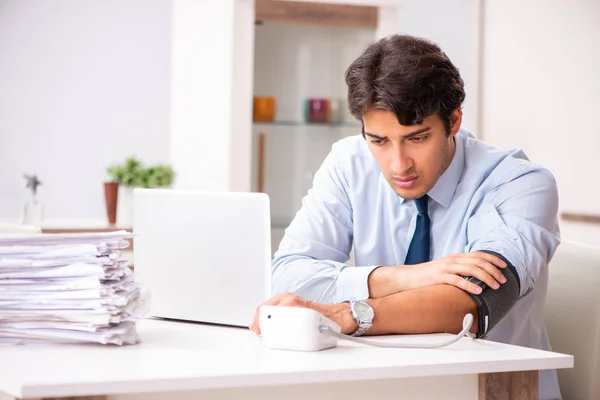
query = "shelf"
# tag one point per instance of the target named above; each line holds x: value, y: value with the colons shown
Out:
x: 580, y: 217
x: 358, y: 16
x: 308, y: 124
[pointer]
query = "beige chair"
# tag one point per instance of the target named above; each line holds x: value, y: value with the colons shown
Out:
x: 572, y: 316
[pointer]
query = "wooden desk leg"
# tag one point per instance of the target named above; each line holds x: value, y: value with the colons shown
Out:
x: 520, y: 385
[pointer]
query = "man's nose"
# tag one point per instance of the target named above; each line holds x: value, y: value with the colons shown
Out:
x: 401, y: 161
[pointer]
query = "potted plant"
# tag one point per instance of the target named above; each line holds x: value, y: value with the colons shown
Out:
x: 129, y: 175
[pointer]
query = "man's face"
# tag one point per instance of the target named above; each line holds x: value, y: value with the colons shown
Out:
x: 412, y: 158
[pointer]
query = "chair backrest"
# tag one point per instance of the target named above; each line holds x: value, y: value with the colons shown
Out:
x: 572, y: 316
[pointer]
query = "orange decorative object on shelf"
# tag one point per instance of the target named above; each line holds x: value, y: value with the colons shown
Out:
x: 264, y: 109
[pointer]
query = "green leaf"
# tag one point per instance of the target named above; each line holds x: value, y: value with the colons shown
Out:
x: 133, y: 173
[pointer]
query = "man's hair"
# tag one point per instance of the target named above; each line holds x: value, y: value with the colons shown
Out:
x: 408, y: 76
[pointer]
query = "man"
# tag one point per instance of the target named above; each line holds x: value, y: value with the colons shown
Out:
x: 440, y: 223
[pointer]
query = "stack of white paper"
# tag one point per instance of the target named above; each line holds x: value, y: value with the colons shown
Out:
x: 68, y: 288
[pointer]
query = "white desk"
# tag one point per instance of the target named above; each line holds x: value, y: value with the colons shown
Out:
x: 233, y: 363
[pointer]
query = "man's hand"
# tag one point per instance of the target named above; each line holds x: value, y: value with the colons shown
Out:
x: 384, y: 281
x: 338, y: 313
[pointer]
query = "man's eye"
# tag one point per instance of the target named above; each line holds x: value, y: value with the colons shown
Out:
x: 377, y: 142
x: 418, y: 139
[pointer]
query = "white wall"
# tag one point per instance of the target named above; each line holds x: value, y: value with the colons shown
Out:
x: 83, y: 84
x: 211, y: 96
x: 453, y: 25
x: 541, y: 92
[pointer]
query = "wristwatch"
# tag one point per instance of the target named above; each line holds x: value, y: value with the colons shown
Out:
x: 363, y: 314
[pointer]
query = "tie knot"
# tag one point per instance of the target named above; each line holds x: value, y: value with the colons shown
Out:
x: 421, y: 203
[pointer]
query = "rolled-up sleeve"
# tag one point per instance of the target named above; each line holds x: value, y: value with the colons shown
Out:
x: 518, y: 219
x: 312, y: 256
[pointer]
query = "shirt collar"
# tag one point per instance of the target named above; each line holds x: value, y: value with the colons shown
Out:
x: 443, y: 190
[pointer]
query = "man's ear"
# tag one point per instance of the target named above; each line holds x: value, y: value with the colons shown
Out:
x: 455, y: 121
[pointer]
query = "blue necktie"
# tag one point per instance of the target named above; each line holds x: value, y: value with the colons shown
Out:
x: 418, y: 251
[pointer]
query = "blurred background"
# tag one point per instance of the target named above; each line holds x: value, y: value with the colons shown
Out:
x: 250, y: 95
x: 98, y: 97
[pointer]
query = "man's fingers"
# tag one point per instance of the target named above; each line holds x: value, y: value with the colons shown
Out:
x: 492, y: 270
x: 282, y: 299
x: 480, y: 265
x: 492, y: 259
x: 254, y: 327
x: 273, y: 301
x: 477, y: 272
x: 462, y: 283
x: 291, y: 301
x: 477, y: 266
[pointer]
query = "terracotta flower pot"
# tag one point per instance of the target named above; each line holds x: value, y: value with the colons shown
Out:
x: 264, y: 109
x: 111, y: 195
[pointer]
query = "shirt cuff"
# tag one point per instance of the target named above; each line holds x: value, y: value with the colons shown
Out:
x: 353, y: 283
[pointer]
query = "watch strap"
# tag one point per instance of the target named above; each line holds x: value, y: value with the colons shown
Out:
x: 363, y: 326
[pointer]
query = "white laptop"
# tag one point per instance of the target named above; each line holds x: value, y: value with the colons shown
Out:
x: 204, y: 256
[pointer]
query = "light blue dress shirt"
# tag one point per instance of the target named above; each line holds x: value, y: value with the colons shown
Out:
x: 487, y: 199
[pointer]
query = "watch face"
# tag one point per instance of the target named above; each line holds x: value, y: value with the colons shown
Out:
x: 363, y: 311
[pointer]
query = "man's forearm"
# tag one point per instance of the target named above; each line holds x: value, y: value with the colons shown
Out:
x: 386, y: 280
x: 432, y: 309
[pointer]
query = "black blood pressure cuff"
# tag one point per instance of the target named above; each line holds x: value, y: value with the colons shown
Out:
x: 492, y: 304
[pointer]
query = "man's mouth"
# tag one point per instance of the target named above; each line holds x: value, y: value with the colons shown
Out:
x: 406, y: 182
